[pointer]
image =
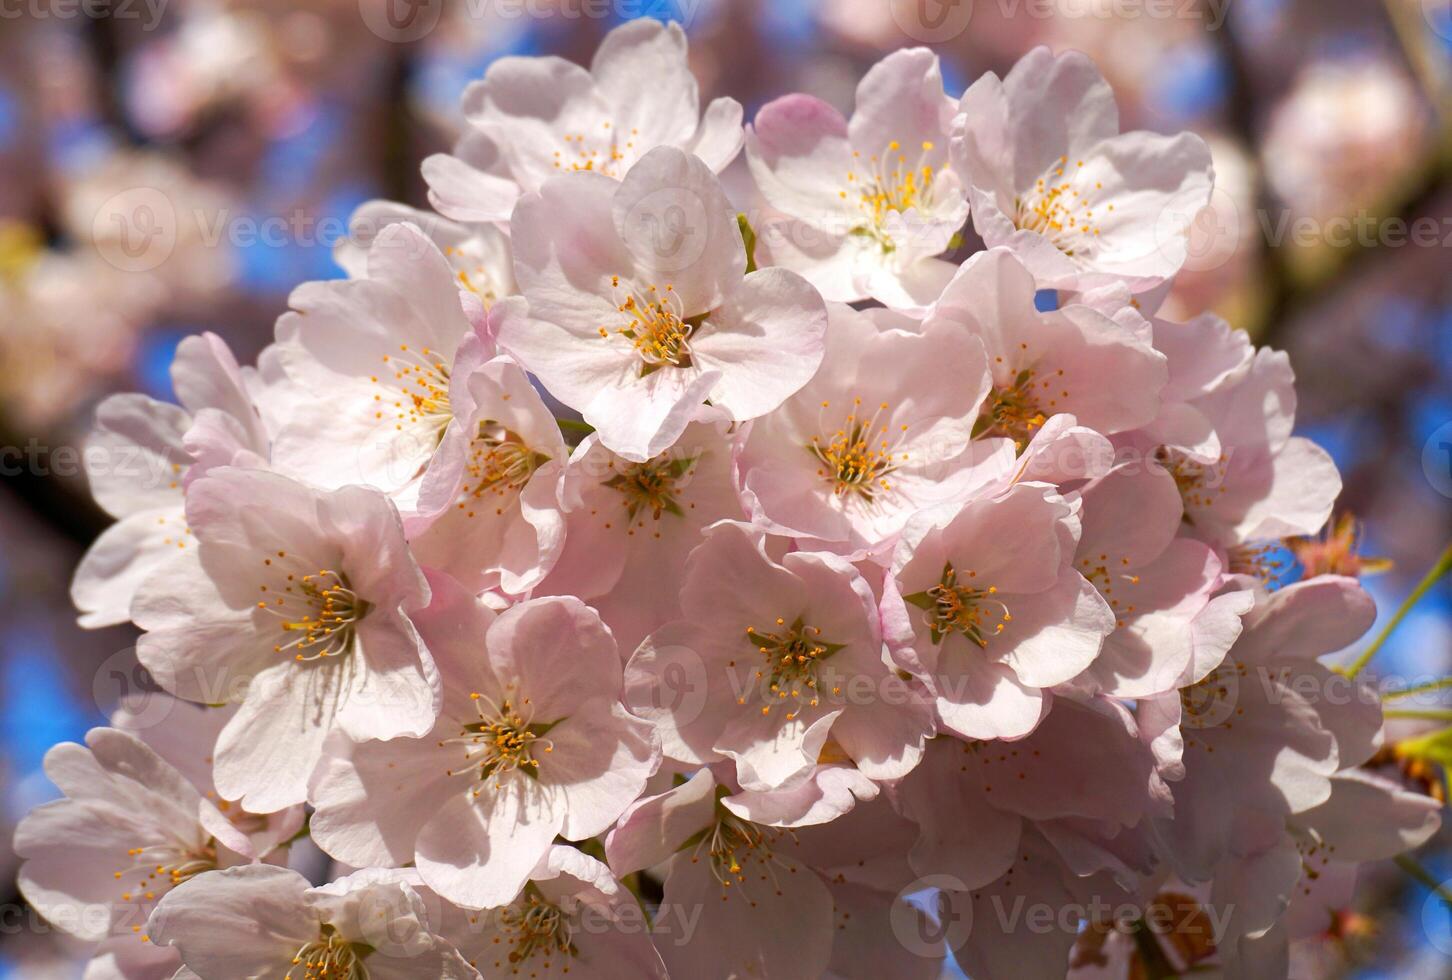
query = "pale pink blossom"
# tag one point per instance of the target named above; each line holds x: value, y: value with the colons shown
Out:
x: 296, y: 603
x: 539, y: 117
x: 638, y: 310
x: 983, y: 604
x: 1051, y: 177
x: 781, y: 655
x: 532, y: 742
x: 872, y: 202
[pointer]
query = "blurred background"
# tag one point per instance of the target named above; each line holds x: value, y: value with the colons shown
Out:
x: 169, y: 166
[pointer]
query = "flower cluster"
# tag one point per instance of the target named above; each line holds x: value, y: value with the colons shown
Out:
x: 596, y: 548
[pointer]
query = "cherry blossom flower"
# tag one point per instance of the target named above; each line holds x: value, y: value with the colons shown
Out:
x: 532, y: 742
x: 1050, y: 176
x: 786, y: 653
x: 629, y: 526
x: 870, y: 202
x: 990, y: 619
x: 488, y: 507
x: 1073, y: 360
x: 543, y: 116
x: 573, y: 919
x: 265, y: 921
x: 129, y: 829
x: 883, y: 431
x: 138, y: 460
x: 638, y: 310
x: 379, y: 358
x: 296, y: 604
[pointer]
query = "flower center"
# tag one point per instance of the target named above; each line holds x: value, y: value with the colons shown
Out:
x: 1105, y: 573
x: 501, y: 742
x: 329, y: 957
x: 162, y: 866
x: 652, y: 485
x: 474, y: 276
x: 603, y: 152
x: 793, y: 656
x: 499, y: 463
x: 858, y: 456
x: 891, y: 184
x: 1060, y: 211
x: 1211, y: 703
x: 537, y: 925
x: 1015, y: 411
x: 326, y: 618
x: 656, y: 325
x: 1199, y: 483
x: 731, y: 844
x: 953, y: 608
x: 420, y: 390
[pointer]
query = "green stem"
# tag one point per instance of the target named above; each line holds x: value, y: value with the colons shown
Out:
x: 572, y: 425
x: 1407, y: 692
x: 748, y: 238
x: 1415, y: 870
x: 1443, y: 566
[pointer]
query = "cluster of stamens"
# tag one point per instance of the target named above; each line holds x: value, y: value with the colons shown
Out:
x: 858, y: 456
x: 1019, y: 409
x: 501, y: 742
x: 499, y: 464
x: 150, y: 871
x: 892, y: 184
x: 730, y: 845
x: 329, y: 617
x: 477, y: 280
x: 652, y: 486
x: 601, y: 154
x: 950, y: 607
x: 1211, y: 702
x: 656, y: 325
x: 421, y: 381
x: 1104, y: 573
x: 1199, y: 483
x: 793, y: 655
x: 1060, y: 211
x: 537, y: 925
x: 329, y: 957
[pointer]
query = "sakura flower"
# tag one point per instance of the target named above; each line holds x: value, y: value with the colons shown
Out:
x: 629, y: 526
x: 1050, y: 176
x: 546, y: 115
x: 1264, y: 483
x: 882, y: 431
x: 788, y: 653
x: 478, y: 253
x: 1263, y: 733
x: 989, y: 618
x: 296, y: 604
x: 638, y: 310
x: 379, y: 358
x: 1073, y: 360
x: 263, y: 921
x: 489, y: 504
x: 138, y: 460
x: 1155, y: 583
x: 532, y: 742
x: 572, y: 919
x: 766, y: 914
x: 129, y: 829
x: 872, y: 201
